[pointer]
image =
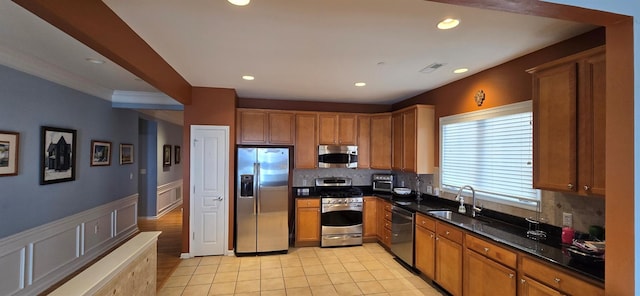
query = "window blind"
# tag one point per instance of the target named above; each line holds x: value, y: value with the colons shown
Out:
x: 491, y: 150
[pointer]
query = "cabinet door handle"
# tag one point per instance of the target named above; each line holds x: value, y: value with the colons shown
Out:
x: 447, y: 233
x: 424, y: 222
x: 511, y: 276
x: 586, y: 188
x: 486, y: 250
x: 570, y: 186
x: 431, y: 235
x: 523, y: 281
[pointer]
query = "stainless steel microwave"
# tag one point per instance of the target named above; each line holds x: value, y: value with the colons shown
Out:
x: 334, y: 156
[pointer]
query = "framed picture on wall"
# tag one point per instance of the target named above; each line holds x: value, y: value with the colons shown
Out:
x: 9, y: 151
x: 57, y: 155
x: 166, y: 155
x: 100, y: 153
x: 126, y: 153
x: 176, y: 154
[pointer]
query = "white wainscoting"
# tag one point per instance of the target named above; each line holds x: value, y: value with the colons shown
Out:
x: 34, y: 260
x: 169, y: 197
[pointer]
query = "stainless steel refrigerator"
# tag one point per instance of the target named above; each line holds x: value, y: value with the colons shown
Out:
x: 262, y: 204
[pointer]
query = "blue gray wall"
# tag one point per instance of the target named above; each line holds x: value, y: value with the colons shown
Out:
x: 28, y: 102
x: 169, y: 134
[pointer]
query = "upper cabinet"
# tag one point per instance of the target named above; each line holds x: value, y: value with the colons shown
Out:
x: 306, y: 146
x: 380, y: 149
x: 364, y: 141
x: 413, y: 139
x: 569, y: 124
x: 264, y: 127
x: 337, y: 129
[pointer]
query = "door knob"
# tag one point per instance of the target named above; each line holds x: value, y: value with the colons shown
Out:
x: 586, y: 187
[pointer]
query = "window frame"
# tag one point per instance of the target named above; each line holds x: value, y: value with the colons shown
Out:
x: 515, y: 108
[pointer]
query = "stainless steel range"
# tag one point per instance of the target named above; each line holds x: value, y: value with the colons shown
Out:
x: 341, y: 212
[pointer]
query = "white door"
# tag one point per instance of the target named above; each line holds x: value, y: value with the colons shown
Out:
x: 209, y: 189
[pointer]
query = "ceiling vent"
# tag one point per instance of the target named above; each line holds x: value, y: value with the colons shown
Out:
x: 432, y: 67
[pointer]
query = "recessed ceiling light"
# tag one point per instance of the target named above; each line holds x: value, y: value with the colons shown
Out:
x: 448, y: 24
x: 95, y: 61
x: 248, y: 77
x: 461, y: 70
x: 360, y: 84
x: 239, y: 2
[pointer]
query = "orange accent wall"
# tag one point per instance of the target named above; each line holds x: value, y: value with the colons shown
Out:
x: 209, y: 106
x: 504, y: 84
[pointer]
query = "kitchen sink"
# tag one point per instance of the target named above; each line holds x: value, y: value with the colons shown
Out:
x: 455, y: 218
x: 442, y: 214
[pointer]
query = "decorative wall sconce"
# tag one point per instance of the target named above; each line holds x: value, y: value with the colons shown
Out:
x: 479, y: 97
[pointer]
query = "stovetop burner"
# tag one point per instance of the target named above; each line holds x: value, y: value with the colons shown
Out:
x: 342, y: 192
x: 336, y: 187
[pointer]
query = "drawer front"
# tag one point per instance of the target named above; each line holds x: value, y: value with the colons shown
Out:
x: 387, y: 206
x: 558, y: 279
x: 386, y: 237
x: 387, y: 225
x: 424, y: 221
x: 308, y: 202
x: 491, y: 251
x: 387, y: 215
x: 448, y: 231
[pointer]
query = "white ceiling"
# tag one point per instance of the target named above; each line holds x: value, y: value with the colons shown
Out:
x: 311, y: 50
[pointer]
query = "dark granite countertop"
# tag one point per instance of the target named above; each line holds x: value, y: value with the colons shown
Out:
x: 496, y: 230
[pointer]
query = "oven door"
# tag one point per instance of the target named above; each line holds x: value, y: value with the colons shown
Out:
x: 341, y: 224
x: 341, y: 215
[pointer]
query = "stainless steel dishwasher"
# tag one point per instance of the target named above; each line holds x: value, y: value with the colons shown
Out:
x: 402, y: 234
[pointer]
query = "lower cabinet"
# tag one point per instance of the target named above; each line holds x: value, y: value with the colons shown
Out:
x: 531, y: 287
x: 449, y: 258
x: 483, y: 276
x: 425, y: 245
x: 538, y: 278
x: 384, y: 222
x: 488, y: 268
x: 307, y: 222
x: 369, y: 218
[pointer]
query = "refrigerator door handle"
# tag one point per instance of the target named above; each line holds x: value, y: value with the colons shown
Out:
x: 257, y: 189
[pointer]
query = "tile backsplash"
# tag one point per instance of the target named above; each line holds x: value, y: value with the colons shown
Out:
x: 586, y: 210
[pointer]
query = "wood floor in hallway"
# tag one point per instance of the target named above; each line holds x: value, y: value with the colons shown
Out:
x: 169, y: 242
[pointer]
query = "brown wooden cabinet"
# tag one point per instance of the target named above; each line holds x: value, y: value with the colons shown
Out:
x: 262, y: 127
x: 413, y: 139
x: 369, y: 218
x: 307, y: 221
x: 384, y: 222
x: 337, y: 129
x: 449, y: 258
x: 569, y: 123
x: 364, y: 141
x: 531, y: 287
x: 536, y: 275
x: 381, y: 141
x: 425, y: 245
x: 488, y: 268
x: 306, y: 145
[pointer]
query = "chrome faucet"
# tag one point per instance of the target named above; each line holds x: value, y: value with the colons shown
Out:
x: 474, y: 208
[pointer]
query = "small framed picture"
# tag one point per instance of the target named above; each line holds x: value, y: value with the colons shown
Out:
x: 100, y: 153
x: 166, y: 155
x: 9, y: 151
x: 176, y: 154
x: 57, y: 155
x: 126, y: 153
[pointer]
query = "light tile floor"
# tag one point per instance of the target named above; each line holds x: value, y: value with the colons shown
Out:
x: 359, y: 270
